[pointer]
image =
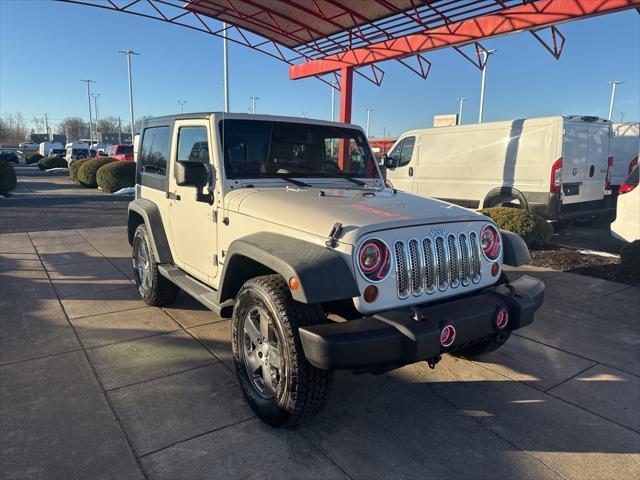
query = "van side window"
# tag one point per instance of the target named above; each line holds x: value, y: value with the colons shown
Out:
x: 193, y: 145
x: 155, y: 150
x: 394, y: 154
x: 407, y: 151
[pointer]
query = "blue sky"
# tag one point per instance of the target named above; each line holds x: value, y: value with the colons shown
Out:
x: 47, y: 47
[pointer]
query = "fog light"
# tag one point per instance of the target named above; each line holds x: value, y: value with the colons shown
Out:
x: 294, y: 283
x: 502, y: 318
x: 447, y: 336
x: 495, y: 268
x: 370, y: 293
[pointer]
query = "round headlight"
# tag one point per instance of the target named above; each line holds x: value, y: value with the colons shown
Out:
x: 490, y: 242
x: 374, y: 260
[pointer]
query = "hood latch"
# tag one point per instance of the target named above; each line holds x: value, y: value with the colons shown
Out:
x: 336, y: 231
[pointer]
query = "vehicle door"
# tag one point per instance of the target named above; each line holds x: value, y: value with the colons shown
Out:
x: 598, y: 152
x: 193, y: 223
x: 402, y: 176
x: 574, y: 161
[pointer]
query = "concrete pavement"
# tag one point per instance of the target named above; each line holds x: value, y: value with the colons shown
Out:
x: 95, y: 384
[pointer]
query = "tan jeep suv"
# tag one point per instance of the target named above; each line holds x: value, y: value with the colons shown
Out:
x: 285, y: 226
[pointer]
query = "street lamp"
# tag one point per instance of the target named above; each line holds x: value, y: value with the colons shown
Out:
x: 614, y: 84
x: 460, y: 102
x: 369, y: 110
x: 253, y: 104
x: 89, y: 82
x: 128, y: 54
x: 96, y: 96
x: 485, y: 59
x: 181, y: 104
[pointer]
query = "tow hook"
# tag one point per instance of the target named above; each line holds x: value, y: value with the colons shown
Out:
x: 432, y: 362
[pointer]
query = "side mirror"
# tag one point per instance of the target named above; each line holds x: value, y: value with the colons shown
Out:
x: 191, y: 174
x: 389, y: 162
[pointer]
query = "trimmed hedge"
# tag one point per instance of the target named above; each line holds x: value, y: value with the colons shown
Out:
x: 52, y: 162
x: 33, y: 158
x: 116, y: 175
x: 630, y: 259
x: 89, y: 169
x: 7, y: 177
x: 535, y: 231
x: 73, y: 168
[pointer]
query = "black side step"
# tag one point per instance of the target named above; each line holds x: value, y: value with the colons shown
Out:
x: 198, y: 290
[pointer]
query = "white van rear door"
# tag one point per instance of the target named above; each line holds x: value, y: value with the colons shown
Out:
x: 597, y: 160
x: 574, y: 161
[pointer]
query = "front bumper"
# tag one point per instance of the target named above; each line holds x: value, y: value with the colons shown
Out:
x: 401, y: 337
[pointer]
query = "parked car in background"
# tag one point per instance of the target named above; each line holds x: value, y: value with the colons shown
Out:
x: 120, y: 152
x: 57, y: 152
x: 28, y: 146
x: 45, y: 147
x: 625, y: 149
x: 76, y: 151
x: 9, y: 155
x: 627, y: 224
x: 554, y: 166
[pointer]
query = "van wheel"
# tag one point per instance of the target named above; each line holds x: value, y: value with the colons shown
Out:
x: 281, y: 386
x: 154, y: 289
x: 483, y: 347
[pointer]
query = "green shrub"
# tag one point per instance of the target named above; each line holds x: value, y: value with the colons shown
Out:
x: 630, y: 259
x: 116, y: 175
x: 73, y: 168
x: 7, y: 177
x: 89, y: 169
x: 52, y: 162
x: 533, y: 229
x: 33, y: 158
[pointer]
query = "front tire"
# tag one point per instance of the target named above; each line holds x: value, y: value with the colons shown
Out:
x: 281, y: 386
x: 154, y: 289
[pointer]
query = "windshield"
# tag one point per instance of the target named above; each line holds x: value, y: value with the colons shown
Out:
x: 266, y: 149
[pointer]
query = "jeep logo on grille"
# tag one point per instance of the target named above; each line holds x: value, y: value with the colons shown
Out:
x: 437, y: 231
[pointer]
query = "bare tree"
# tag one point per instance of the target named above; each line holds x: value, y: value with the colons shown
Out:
x: 136, y: 125
x: 13, y: 129
x: 73, y: 128
x: 38, y: 124
x: 108, y: 125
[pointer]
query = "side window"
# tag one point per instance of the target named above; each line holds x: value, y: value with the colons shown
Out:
x: 394, y: 154
x: 155, y: 150
x: 407, y: 151
x: 193, y: 145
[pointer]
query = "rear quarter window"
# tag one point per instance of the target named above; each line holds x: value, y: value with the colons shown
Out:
x: 154, y: 152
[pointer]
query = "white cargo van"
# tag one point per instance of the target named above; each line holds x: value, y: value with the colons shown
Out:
x: 45, y: 147
x: 76, y: 151
x: 625, y: 148
x: 553, y: 166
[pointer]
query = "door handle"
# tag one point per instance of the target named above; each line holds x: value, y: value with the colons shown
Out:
x: 411, y: 171
x: 173, y: 196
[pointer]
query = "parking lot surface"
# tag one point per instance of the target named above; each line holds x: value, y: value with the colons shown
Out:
x: 95, y: 384
x: 46, y: 201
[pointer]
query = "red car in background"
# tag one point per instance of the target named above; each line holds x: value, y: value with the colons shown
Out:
x: 120, y: 152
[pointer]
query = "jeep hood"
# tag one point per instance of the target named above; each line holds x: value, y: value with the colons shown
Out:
x: 315, y: 210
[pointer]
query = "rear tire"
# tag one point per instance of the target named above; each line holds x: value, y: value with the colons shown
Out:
x: 483, y: 347
x: 281, y: 386
x: 154, y: 289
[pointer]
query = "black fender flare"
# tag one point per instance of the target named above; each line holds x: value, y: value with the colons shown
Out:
x: 142, y: 210
x: 323, y: 273
x: 514, y: 249
x: 505, y: 192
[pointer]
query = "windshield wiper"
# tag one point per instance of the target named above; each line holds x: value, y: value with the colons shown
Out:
x: 294, y: 181
x: 360, y: 183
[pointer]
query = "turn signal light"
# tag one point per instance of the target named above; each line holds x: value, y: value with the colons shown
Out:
x: 370, y: 293
x: 294, y: 283
x: 494, y: 269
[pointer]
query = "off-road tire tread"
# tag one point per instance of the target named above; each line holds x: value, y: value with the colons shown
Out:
x: 314, y: 383
x: 483, y: 347
x: 163, y: 292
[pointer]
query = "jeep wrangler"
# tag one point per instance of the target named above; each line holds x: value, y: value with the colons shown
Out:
x: 285, y: 226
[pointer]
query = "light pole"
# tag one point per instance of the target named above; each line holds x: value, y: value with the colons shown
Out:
x: 181, y: 104
x: 369, y: 110
x: 89, y: 82
x: 614, y: 84
x: 128, y: 53
x: 621, y: 116
x: 225, y: 61
x: 95, y: 103
x: 485, y: 60
x: 253, y: 104
x: 460, y: 104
